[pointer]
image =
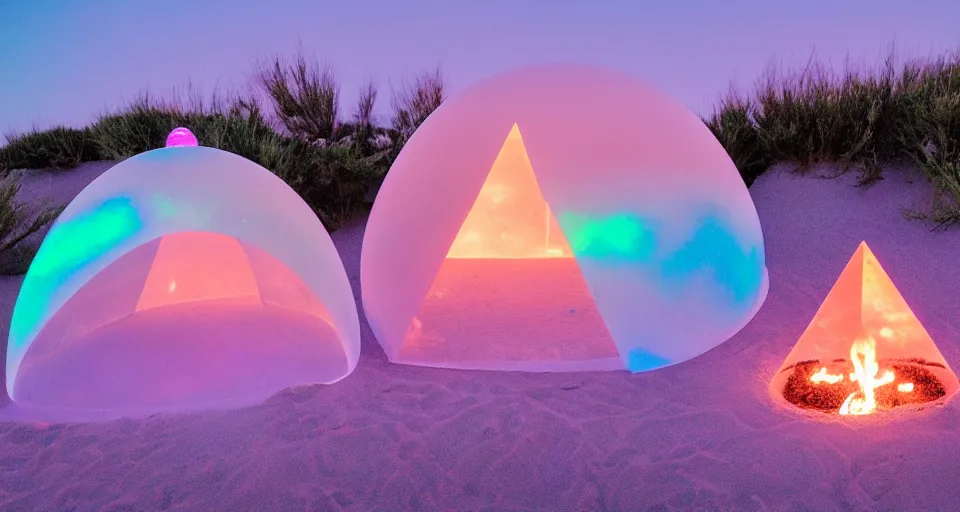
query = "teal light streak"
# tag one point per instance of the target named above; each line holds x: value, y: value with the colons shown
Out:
x: 640, y: 359
x: 68, y: 247
x: 714, y: 245
x: 617, y: 238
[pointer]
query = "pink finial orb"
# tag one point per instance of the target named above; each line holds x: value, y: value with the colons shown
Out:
x: 181, y: 137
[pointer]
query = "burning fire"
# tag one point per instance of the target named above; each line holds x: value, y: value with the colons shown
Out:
x: 863, y: 354
x: 834, y: 367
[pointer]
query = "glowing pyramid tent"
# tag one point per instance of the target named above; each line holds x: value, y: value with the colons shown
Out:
x: 182, y: 277
x: 561, y: 218
x: 864, y: 350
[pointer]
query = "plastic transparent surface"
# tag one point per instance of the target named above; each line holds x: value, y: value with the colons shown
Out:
x: 183, y: 227
x: 645, y: 251
x: 864, y: 304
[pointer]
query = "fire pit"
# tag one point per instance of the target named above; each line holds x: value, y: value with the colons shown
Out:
x: 864, y: 351
x: 862, y: 386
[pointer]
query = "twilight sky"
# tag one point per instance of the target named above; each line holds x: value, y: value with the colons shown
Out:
x: 65, y: 61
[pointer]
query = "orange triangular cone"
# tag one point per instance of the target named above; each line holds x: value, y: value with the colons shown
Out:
x: 510, y: 218
x: 864, y: 306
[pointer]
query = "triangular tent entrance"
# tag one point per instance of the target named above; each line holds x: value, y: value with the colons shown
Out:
x: 174, y: 278
x: 510, y: 218
x: 864, y: 349
x: 509, y: 294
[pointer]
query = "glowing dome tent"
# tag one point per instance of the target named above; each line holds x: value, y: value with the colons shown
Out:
x: 181, y: 277
x: 561, y: 218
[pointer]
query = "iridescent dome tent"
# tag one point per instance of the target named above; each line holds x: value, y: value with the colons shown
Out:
x: 559, y: 218
x: 182, y: 277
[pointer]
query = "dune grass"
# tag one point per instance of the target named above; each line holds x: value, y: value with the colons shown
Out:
x: 335, y: 164
x: 58, y: 148
x: 863, y: 120
x: 860, y: 119
x: 296, y: 130
x: 416, y: 100
x: 19, y: 223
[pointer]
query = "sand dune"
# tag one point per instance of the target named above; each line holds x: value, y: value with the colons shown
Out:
x: 703, y: 435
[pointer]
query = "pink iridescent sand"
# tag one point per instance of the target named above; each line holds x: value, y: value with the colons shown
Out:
x: 703, y: 435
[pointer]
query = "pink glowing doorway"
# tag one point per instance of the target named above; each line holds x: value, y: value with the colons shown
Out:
x: 181, y: 322
x: 510, y: 293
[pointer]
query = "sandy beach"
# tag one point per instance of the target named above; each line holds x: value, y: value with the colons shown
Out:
x: 702, y: 435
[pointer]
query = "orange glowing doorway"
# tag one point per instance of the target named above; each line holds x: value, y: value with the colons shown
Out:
x: 865, y: 350
x: 509, y: 294
x: 510, y: 218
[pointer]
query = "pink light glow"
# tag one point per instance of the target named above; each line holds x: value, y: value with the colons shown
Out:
x: 181, y: 137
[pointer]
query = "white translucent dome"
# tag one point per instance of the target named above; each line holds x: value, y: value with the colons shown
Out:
x: 181, y: 277
x: 561, y: 218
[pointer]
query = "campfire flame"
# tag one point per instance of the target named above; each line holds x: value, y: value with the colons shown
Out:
x: 824, y: 376
x: 863, y: 354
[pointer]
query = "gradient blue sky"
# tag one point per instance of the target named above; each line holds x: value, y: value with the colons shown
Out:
x: 63, y: 62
